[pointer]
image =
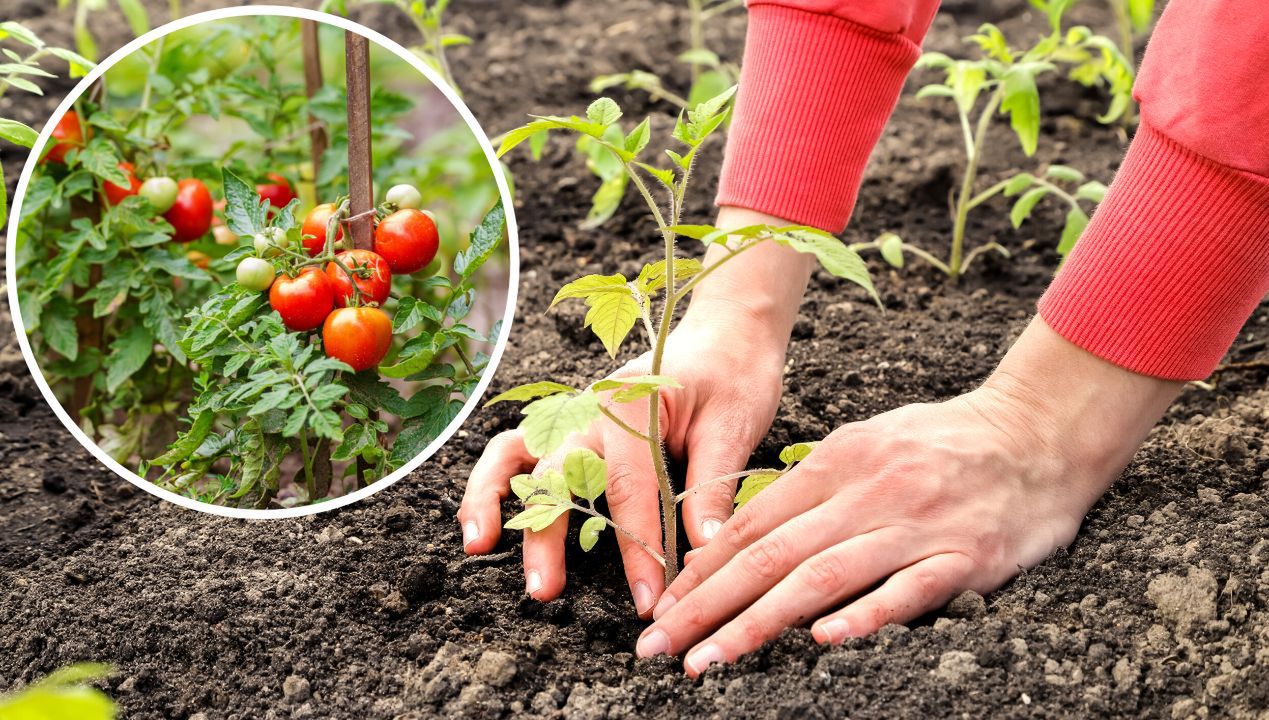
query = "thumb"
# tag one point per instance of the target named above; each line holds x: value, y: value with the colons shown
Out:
x: 713, y: 451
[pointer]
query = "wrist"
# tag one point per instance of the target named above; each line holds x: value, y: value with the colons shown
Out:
x: 756, y: 293
x: 1077, y: 408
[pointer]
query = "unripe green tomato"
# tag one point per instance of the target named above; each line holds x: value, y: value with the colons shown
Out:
x: 255, y: 274
x: 160, y: 192
x: 269, y: 242
x: 404, y: 196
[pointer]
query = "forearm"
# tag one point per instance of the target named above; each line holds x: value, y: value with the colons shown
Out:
x: 759, y: 290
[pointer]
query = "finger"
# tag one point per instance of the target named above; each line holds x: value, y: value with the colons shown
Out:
x: 789, y: 496
x: 544, y: 567
x: 818, y: 584
x: 480, y: 514
x: 745, y: 578
x: 910, y: 593
x: 713, y: 451
x: 634, y: 504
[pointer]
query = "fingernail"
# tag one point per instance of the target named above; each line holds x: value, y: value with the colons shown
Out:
x: 470, y: 532
x: 643, y: 597
x: 831, y: 631
x: 704, y: 656
x: 532, y: 582
x: 667, y: 602
x: 653, y: 642
x: 710, y: 528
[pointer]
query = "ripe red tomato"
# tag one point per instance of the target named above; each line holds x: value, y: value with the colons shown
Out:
x: 191, y: 214
x: 69, y: 134
x: 303, y: 301
x: 358, y: 336
x: 114, y: 193
x: 278, y: 192
x: 374, y: 289
x: 314, y: 228
x: 407, y: 239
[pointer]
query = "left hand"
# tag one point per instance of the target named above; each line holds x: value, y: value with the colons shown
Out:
x: 896, y: 515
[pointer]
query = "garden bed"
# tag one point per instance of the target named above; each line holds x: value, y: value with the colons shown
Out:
x: 1160, y: 607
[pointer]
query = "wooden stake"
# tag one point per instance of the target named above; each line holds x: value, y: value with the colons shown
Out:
x: 360, y: 181
x: 313, y: 83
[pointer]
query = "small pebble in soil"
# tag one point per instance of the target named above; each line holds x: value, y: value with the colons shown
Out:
x: 395, y: 603
x: 969, y: 605
x: 955, y: 666
x: 295, y: 689
x: 53, y: 483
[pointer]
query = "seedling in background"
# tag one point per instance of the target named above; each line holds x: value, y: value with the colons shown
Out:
x: 64, y: 693
x: 710, y: 76
x: 1132, y: 20
x: 1007, y: 80
x: 427, y: 18
x: 616, y: 304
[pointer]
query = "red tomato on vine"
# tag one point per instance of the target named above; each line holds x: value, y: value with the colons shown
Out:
x: 115, y: 193
x: 358, y: 336
x: 69, y: 134
x: 278, y: 192
x: 314, y: 228
x: 408, y: 240
x: 303, y: 301
x: 191, y: 214
x: 374, y: 288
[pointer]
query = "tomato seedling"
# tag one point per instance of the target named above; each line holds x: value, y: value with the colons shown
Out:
x: 616, y: 304
x: 1007, y: 80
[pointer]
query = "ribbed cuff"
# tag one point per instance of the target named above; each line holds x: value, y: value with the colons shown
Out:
x: 815, y: 93
x: 1174, y: 261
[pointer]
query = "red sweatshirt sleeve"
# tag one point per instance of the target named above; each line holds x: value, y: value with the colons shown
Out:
x: 820, y: 79
x: 1176, y: 258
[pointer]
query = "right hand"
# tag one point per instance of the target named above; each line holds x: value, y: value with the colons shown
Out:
x: 730, y: 368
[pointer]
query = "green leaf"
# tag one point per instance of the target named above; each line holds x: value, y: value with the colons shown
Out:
x: 933, y: 60
x: 187, y: 443
x: 1091, y: 190
x: 17, y: 133
x: 1018, y: 183
x: 586, y: 474
x: 1022, y: 104
x: 835, y: 256
x: 417, y: 354
x: 522, y: 133
x: 536, y: 518
x: 935, y: 91
x: 603, y: 111
x: 547, y: 487
x: 134, y: 11
x: 638, y: 138
x: 550, y: 420
x: 606, y: 200
x: 482, y: 242
x: 752, y: 485
x: 1025, y: 204
x: 245, y: 214
x: 589, y: 534
x: 530, y: 391
x: 633, y: 388
x: 128, y: 354
x: 610, y: 317
x: 411, y: 312
x: 1141, y: 12
x: 891, y: 247
x: 1064, y: 172
x: 797, y: 452
x: 1076, y: 221
x: 966, y: 80
x: 57, y: 322
x: 62, y: 695
x: 652, y: 276
x: 588, y: 285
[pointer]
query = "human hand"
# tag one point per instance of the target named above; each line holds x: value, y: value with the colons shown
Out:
x: 927, y: 500
x: 727, y: 353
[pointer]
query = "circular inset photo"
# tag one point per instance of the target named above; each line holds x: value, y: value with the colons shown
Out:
x: 264, y: 261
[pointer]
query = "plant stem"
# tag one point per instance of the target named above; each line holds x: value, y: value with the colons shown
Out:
x: 635, y: 538
x: 696, y: 32
x: 733, y: 476
x: 309, y: 485
x: 973, y: 155
x: 462, y: 355
x: 691, y: 284
x: 622, y: 423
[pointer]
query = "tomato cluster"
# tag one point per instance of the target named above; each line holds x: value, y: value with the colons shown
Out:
x: 343, y: 298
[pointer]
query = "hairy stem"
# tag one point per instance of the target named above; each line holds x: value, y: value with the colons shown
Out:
x: 973, y: 155
x: 621, y: 423
x: 634, y: 538
x: 733, y: 476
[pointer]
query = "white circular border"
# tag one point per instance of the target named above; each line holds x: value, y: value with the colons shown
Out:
x: 512, y: 244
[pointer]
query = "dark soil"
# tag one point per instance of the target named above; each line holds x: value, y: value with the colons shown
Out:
x: 1160, y: 608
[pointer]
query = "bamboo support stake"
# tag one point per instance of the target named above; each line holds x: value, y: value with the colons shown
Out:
x: 313, y: 83
x: 360, y: 179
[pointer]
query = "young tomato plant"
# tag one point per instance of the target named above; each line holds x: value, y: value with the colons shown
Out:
x: 1007, y: 80
x: 616, y: 304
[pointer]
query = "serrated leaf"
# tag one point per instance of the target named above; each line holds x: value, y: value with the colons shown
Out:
x: 652, y: 276
x: 638, y: 138
x: 128, y: 354
x: 603, y: 111
x: 635, y: 387
x: 530, y: 391
x: 482, y: 242
x: 1025, y: 204
x: 536, y: 518
x: 590, y: 532
x: 754, y: 484
x: 611, y: 317
x: 1021, y: 103
x: 586, y: 474
x: 187, y: 443
x: 57, y: 322
x: 797, y: 452
x: 588, y: 285
x: 550, y: 420
x: 834, y: 255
